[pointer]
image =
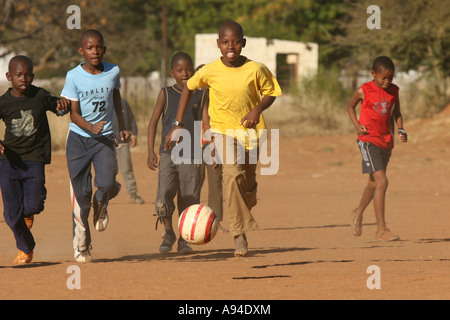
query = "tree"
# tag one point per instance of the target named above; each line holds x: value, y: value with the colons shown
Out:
x: 39, y: 29
x: 413, y: 33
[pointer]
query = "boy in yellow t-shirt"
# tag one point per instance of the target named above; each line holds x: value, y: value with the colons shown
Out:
x: 240, y: 90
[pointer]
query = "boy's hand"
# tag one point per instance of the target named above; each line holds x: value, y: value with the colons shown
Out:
x: 403, y: 136
x: 173, y: 136
x: 97, y: 127
x: 152, y: 161
x: 125, y: 135
x: 361, y: 130
x: 251, y: 119
x: 133, y: 141
x: 2, y: 148
x: 63, y: 105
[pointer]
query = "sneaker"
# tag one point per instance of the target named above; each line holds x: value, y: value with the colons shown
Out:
x: 83, y: 256
x: 387, y: 235
x: 168, y: 241
x: 100, y: 215
x: 356, y: 223
x: 184, y: 247
x: 137, y: 199
x: 23, y: 257
x: 29, y: 221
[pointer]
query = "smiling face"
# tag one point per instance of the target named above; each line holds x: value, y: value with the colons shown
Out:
x: 93, y: 50
x: 20, y: 74
x: 230, y: 42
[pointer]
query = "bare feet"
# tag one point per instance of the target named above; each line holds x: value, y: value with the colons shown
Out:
x: 356, y: 223
x: 241, y: 245
x: 386, y: 235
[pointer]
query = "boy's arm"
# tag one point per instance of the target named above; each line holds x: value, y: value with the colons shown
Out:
x: 358, y: 96
x: 205, y: 115
x: 252, y: 118
x: 117, y: 101
x: 399, y: 121
x: 152, y: 161
x: 59, y: 106
x: 2, y: 148
x: 182, y: 105
x: 75, y: 117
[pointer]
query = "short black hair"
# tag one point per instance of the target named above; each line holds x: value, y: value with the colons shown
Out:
x: 382, y: 63
x: 20, y: 58
x: 232, y: 25
x: 91, y: 33
x: 180, y: 56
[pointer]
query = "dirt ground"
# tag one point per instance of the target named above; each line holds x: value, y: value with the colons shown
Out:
x: 303, y: 249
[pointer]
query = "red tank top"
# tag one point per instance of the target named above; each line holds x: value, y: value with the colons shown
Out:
x: 376, y: 114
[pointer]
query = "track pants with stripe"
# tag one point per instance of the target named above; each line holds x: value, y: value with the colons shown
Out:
x: 82, y: 153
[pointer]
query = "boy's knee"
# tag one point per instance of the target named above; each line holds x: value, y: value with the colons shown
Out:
x: 163, y: 210
x: 33, y: 208
x: 382, y: 183
x: 105, y: 193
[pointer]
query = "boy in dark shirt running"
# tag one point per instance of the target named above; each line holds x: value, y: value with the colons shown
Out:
x: 25, y: 151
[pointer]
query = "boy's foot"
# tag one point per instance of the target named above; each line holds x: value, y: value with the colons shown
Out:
x: 136, y: 199
x: 241, y: 244
x: 23, y: 257
x: 356, y: 223
x: 169, y: 239
x: 386, y: 235
x: 83, y: 256
x: 184, y: 247
x: 100, y: 215
x: 29, y: 221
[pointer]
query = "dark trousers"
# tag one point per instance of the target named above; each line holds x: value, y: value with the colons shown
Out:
x: 81, y: 154
x: 24, y: 194
x: 182, y: 181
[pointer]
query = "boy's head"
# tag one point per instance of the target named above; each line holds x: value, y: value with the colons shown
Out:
x: 20, y: 74
x: 383, y: 70
x: 181, y: 68
x: 92, y: 47
x: 230, y: 42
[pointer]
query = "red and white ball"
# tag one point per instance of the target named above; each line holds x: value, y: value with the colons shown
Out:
x: 198, y: 224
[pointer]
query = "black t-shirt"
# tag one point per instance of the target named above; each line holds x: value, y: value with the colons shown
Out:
x: 27, y: 134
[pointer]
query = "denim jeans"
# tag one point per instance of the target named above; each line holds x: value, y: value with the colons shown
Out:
x: 24, y: 194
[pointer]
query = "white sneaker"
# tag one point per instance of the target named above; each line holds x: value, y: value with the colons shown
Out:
x: 83, y: 256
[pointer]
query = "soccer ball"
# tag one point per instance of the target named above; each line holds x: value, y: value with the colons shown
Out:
x: 198, y: 224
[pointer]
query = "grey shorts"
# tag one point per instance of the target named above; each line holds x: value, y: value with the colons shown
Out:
x: 182, y: 181
x: 373, y: 158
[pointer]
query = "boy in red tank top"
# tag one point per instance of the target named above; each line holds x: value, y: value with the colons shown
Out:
x: 380, y: 108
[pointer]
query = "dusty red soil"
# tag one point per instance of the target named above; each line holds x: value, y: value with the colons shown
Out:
x: 303, y: 249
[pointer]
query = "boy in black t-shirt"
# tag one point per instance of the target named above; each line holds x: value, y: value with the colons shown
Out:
x: 25, y: 151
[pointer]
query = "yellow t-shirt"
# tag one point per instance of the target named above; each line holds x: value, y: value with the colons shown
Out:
x: 234, y: 92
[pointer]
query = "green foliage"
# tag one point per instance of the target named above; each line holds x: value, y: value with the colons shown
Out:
x: 415, y: 33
